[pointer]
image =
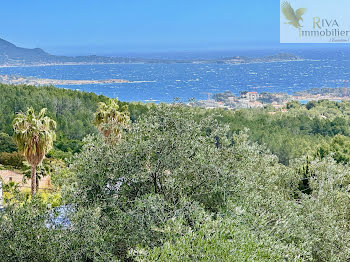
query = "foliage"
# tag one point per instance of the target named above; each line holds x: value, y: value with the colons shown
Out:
x: 34, y: 136
x: 58, y: 154
x: 48, y: 167
x: 68, y: 145
x: 186, y: 184
x: 13, y: 159
x: 289, y: 135
x: 13, y: 195
x: 164, y: 153
x: 293, y: 104
x: 176, y: 153
x: 72, y: 110
x: 111, y: 119
x: 277, y: 226
x: 7, y: 144
x: 27, y: 235
x: 338, y: 148
x: 213, y: 240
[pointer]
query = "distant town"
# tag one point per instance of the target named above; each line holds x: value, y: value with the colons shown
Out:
x: 252, y: 99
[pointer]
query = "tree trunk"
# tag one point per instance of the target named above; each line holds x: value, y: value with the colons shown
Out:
x: 33, y: 178
x: 37, y: 183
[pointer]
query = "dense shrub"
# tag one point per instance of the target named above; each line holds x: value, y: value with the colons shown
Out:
x: 13, y: 159
x: 7, y: 144
x: 213, y: 240
x: 180, y: 186
x: 338, y: 148
x: 27, y: 234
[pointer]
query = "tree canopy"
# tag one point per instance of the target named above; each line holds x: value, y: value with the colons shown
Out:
x: 187, y: 184
x: 34, y: 136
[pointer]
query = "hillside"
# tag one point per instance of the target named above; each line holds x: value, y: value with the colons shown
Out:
x: 72, y: 110
x: 11, y: 54
x: 179, y: 185
x: 282, y: 132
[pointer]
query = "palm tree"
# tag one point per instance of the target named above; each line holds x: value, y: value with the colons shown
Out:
x: 34, y: 136
x: 110, y: 119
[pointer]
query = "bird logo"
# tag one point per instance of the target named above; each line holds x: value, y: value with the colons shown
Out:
x: 292, y: 16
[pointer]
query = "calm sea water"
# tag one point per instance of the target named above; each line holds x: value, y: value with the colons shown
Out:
x: 164, y: 82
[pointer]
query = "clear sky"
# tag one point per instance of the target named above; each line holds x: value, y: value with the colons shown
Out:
x: 116, y: 26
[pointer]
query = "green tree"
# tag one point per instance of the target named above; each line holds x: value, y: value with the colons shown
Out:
x: 338, y: 147
x: 7, y: 144
x: 111, y: 119
x: 293, y: 104
x: 34, y: 135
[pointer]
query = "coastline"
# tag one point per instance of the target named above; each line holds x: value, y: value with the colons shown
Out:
x: 19, y: 80
x: 150, y: 63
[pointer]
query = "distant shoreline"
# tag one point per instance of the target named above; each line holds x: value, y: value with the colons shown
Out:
x: 20, y: 80
x: 62, y: 64
x: 194, y: 62
x: 13, y: 56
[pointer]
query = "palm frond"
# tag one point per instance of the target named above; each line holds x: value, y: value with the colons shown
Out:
x: 110, y: 118
x: 34, y: 135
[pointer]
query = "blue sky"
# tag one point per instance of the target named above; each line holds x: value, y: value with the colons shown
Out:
x: 116, y: 26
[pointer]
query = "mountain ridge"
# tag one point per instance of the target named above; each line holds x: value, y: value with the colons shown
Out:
x: 12, y: 55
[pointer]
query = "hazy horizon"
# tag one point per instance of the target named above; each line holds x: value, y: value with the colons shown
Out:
x: 138, y: 28
x: 188, y: 53
x: 119, y: 27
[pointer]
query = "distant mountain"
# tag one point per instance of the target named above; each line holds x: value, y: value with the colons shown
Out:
x: 10, y: 54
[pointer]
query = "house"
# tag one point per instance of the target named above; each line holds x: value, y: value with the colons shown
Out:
x: 10, y: 176
x: 231, y: 98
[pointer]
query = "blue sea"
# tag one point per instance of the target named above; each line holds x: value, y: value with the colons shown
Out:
x: 164, y: 82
